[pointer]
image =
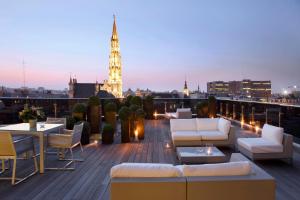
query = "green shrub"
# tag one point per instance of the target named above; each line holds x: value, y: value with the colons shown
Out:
x: 134, y: 108
x: 124, y: 113
x: 136, y: 100
x: 79, y: 108
x: 127, y: 100
x: 110, y: 107
x: 94, y: 101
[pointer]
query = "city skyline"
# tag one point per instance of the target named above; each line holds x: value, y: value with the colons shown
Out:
x: 162, y: 42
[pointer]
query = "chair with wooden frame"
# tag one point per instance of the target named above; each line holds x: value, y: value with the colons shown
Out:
x: 9, y: 149
x: 68, y: 140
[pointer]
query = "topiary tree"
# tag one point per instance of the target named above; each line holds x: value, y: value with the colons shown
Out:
x: 148, y: 107
x: 107, y: 134
x: 202, y: 109
x: 133, y: 108
x: 94, y: 113
x: 136, y: 100
x: 124, y: 116
x: 110, y: 110
x: 79, y: 111
x: 127, y: 100
x: 212, y: 106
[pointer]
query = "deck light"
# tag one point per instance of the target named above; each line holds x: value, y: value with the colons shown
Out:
x: 136, y: 134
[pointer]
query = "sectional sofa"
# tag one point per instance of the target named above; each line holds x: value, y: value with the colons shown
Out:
x: 238, y: 179
x: 200, y: 131
x: 273, y: 144
x: 181, y: 113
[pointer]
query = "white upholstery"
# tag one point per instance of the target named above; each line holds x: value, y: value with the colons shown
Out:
x: 222, y: 169
x: 212, y: 135
x: 224, y: 125
x: 131, y: 170
x: 207, y: 124
x: 186, y: 135
x: 260, y: 145
x: 183, y: 125
x: 183, y: 110
x: 272, y: 133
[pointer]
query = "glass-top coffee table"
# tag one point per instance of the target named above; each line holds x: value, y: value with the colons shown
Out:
x: 198, y: 155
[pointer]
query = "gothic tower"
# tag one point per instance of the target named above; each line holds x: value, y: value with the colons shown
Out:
x: 186, y: 91
x: 115, y: 66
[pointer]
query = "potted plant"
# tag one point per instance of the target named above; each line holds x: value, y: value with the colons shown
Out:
x: 140, y: 123
x: 148, y: 107
x: 110, y: 110
x: 124, y: 115
x: 202, y: 109
x: 212, y: 106
x: 86, y: 132
x: 133, y: 108
x: 107, y: 134
x: 31, y: 115
x: 94, y: 113
x: 79, y: 111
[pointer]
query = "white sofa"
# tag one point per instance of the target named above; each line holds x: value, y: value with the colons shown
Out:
x: 273, y: 143
x: 181, y: 113
x: 199, y: 131
x: 238, y: 179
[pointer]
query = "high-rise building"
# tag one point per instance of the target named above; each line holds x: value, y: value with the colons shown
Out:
x: 245, y: 88
x: 114, y: 83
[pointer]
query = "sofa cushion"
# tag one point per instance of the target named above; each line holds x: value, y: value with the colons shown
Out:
x: 224, y: 125
x: 222, y: 169
x: 207, y: 124
x: 144, y: 170
x: 183, y: 125
x: 183, y: 110
x: 272, y: 133
x: 260, y: 145
x: 212, y: 135
x: 186, y: 135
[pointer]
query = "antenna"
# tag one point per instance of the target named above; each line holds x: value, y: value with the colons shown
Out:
x: 24, y: 73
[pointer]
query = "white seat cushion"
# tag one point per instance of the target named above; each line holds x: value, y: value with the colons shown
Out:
x: 212, y: 135
x: 144, y: 170
x: 272, y: 133
x: 183, y: 125
x: 222, y: 169
x: 183, y: 110
x: 207, y: 124
x: 186, y: 135
x: 260, y: 145
x: 224, y: 125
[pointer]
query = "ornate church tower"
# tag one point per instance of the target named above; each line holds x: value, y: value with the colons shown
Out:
x: 115, y: 66
x: 186, y: 91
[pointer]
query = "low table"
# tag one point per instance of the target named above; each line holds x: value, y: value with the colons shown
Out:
x: 198, y: 155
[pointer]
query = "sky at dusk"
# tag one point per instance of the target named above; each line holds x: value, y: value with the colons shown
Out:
x: 161, y: 42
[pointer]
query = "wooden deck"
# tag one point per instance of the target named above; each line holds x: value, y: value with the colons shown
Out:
x: 90, y: 180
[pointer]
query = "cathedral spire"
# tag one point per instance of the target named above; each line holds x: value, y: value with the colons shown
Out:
x: 114, y: 31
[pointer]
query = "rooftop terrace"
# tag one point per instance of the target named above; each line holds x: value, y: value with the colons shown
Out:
x: 91, y: 178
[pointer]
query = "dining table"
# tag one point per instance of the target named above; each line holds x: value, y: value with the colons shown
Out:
x: 40, y: 131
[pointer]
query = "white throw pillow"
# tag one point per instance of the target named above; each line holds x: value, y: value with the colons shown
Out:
x: 222, y: 169
x: 144, y: 170
x: 224, y: 125
x: 207, y: 124
x: 183, y: 125
x: 272, y: 133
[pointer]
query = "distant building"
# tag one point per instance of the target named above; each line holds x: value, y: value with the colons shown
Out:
x: 218, y: 88
x: 109, y: 88
x: 241, y: 89
x: 142, y: 93
x: 186, y: 92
